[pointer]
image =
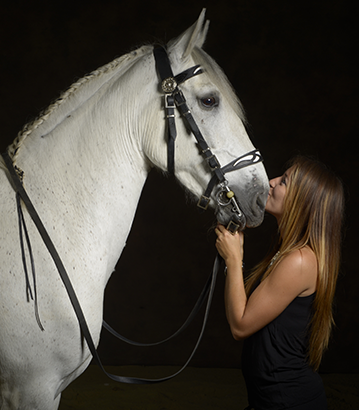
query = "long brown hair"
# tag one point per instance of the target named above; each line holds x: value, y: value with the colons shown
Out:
x: 313, y: 216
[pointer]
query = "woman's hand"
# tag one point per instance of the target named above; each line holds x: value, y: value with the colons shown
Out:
x: 229, y: 246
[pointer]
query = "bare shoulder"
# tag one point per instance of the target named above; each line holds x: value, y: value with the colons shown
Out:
x: 302, y: 258
x: 301, y: 266
x: 295, y: 275
x: 309, y: 260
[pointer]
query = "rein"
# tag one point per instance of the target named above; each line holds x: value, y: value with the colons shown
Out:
x: 225, y: 196
x: 208, y: 289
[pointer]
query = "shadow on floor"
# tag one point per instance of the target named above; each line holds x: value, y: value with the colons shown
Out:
x: 193, y: 389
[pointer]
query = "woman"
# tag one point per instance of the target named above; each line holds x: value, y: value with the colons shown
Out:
x: 284, y: 308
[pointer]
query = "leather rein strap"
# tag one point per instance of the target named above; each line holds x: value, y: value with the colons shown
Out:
x: 173, y: 98
x: 209, y: 288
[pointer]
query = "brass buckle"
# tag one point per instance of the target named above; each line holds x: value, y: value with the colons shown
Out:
x: 232, y: 227
x: 216, y: 164
x: 203, y: 202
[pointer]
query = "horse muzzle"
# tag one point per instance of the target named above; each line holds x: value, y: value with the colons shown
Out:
x: 226, y: 199
x: 235, y: 214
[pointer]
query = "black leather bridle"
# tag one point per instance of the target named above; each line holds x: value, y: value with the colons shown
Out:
x: 174, y: 98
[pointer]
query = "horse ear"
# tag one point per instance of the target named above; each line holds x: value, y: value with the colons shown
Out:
x: 192, y: 37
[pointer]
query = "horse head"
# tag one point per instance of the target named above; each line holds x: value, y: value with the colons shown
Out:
x: 217, y: 117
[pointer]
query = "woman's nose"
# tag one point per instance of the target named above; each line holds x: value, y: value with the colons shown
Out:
x: 273, y: 182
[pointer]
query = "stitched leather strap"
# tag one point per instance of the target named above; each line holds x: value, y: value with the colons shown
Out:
x: 71, y: 292
x: 170, y: 88
x: 189, y: 319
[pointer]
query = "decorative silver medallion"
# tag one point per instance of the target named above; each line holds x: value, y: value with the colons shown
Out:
x: 169, y: 85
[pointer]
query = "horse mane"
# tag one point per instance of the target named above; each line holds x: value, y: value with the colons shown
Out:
x: 92, y: 82
x: 102, y: 74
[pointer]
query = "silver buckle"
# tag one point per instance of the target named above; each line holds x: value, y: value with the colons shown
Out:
x: 168, y: 104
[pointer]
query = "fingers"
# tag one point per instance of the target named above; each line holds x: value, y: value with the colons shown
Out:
x: 221, y: 229
x: 229, y: 246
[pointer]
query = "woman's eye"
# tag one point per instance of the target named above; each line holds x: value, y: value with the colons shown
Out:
x: 209, y: 102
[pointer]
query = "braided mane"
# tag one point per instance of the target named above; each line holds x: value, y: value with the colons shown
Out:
x: 118, y: 66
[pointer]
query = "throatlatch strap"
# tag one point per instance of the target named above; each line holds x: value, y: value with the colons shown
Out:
x: 164, y: 69
x: 71, y: 292
x: 169, y: 86
x: 171, y: 132
x: 171, y: 90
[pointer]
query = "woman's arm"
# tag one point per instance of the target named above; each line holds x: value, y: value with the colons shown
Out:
x: 230, y: 247
x: 295, y: 275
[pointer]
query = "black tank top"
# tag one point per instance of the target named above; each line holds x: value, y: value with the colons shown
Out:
x: 274, y: 362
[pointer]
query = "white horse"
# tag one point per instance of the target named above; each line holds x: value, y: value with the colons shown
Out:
x: 85, y: 161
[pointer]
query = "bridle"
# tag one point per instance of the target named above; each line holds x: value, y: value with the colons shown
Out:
x: 174, y: 98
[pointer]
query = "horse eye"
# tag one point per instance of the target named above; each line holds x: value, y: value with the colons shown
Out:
x: 209, y: 102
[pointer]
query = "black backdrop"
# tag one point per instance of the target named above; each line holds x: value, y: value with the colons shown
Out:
x: 292, y: 65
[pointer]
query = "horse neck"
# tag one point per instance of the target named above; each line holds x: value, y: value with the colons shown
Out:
x: 90, y: 168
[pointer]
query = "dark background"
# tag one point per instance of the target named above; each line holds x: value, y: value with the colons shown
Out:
x: 292, y: 65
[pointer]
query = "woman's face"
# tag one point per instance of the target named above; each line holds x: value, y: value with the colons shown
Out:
x: 277, y: 192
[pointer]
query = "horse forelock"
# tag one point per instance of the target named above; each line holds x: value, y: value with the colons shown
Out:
x: 88, y: 85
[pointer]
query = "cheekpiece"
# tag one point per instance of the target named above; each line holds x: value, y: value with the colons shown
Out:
x: 169, y: 85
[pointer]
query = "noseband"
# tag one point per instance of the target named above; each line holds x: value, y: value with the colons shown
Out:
x: 174, y: 98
